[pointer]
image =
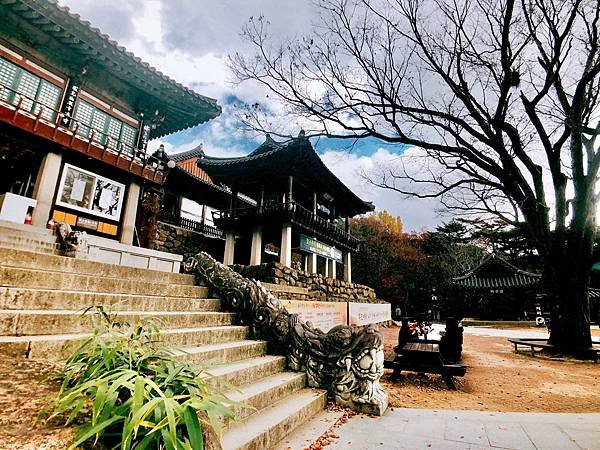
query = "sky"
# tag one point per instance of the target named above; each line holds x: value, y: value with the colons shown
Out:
x: 189, y: 40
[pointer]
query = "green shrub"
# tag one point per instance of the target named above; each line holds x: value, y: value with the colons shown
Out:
x: 133, y: 394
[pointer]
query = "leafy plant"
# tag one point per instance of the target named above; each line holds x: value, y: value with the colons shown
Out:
x: 133, y: 393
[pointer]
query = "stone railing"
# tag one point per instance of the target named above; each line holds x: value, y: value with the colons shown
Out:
x: 347, y: 361
x: 320, y: 287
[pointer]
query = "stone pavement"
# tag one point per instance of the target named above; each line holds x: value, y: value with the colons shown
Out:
x: 401, y: 428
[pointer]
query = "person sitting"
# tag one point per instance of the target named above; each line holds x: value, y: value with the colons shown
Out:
x: 405, y: 334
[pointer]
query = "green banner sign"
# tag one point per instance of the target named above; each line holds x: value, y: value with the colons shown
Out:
x: 311, y: 245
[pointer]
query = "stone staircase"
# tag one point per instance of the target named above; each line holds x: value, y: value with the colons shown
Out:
x: 42, y: 297
x: 21, y: 236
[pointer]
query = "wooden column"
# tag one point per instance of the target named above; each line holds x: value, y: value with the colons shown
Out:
x: 348, y: 267
x: 45, y: 186
x: 256, y: 249
x: 285, y: 255
x: 130, y: 212
x: 229, y: 248
x: 331, y: 268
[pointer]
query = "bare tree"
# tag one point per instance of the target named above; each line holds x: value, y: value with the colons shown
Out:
x: 498, y: 96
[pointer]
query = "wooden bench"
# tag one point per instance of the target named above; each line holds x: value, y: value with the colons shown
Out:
x: 542, y: 344
x: 424, y: 357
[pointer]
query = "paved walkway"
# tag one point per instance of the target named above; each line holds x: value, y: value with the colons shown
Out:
x: 506, y: 332
x: 401, y: 428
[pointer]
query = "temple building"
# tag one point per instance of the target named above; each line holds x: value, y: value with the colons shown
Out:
x: 301, y: 210
x: 76, y: 114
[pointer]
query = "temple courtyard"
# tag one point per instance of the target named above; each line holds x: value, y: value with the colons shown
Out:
x: 485, y: 411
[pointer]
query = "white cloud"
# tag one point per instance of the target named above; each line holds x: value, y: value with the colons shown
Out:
x: 189, y: 39
x: 416, y: 214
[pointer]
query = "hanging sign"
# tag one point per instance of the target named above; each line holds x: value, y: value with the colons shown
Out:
x: 311, y: 245
x: 323, y: 315
x: 366, y: 313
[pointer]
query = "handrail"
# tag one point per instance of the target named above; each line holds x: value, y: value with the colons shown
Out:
x: 124, y: 150
x: 192, y: 225
x: 347, y: 361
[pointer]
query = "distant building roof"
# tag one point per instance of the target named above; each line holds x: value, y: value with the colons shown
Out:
x: 195, y: 152
x: 273, y: 161
x: 496, y: 273
x: 182, y: 108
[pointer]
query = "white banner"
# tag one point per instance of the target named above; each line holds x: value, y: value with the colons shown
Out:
x: 366, y: 313
x: 323, y: 315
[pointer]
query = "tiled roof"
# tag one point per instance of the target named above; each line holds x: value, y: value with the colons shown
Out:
x: 184, y: 108
x: 496, y: 273
x: 196, y: 152
x: 273, y: 159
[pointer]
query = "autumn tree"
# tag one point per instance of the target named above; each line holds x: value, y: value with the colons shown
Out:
x: 496, y: 98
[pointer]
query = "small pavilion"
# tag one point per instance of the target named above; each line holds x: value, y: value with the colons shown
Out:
x: 494, y: 273
x: 301, y: 208
x: 504, y: 290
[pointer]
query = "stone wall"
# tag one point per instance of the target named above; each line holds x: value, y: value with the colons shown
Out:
x: 174, y: 239
x: 319, y: 287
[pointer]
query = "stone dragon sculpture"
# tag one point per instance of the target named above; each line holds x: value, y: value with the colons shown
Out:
x: 73, y: 243
x: 347, y: 361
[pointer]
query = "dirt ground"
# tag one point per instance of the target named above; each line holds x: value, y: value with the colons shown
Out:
x: 497, y: 379
x: 24, y: 391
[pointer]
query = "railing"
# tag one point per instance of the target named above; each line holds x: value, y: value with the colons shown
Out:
x: 192, y: 225
x: 292, y: 212
x: 42, y: 114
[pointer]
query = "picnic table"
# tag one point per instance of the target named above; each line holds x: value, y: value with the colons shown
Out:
x: 423, y: 356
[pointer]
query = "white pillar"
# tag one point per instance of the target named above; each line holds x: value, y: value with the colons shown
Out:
x: 348, y: 267
x: 311, y: 263
x: 331, y: 269
x: 256, y: 249
x: 45, y: 186
x: 326, y: 267
x: 129, y: 213
x: 229, y: 248
x: 285, y: 255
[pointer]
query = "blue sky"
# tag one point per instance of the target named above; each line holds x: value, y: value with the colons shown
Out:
x: 189, y: 40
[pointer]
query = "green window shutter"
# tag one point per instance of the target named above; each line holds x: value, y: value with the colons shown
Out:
x: 99, y: 125
x: 83, y: 117
x: 28, y: 85
x: 48, y: 97
x: 8, y: 76
x: 114, y: 131
x: 128, y: 135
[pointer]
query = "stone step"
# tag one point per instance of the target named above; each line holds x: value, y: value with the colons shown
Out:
x: 46, y: 250
x: 212, y: 355
x: 247, y: 370
x: 19, y: 322
x: 265, y: 392
x: 265, y: 428
x: 31, y: 260
x: 22, y: 298
x: 45, y: 279
x: 59, y: 346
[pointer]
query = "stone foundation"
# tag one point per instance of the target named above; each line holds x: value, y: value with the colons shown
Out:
x: 174, y: 239
x: 311, y: 286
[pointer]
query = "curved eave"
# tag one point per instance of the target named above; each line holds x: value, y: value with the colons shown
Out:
x: 182, y: 107
x: 515, y: 281
x: 514, y: 277
x: 297, y: 155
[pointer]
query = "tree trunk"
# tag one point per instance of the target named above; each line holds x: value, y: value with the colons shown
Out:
x: 567, y: 282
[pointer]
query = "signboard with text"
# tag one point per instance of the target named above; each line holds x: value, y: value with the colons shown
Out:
x: 312, y: 245
x: 366, y: 313
x: 323, y: 315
